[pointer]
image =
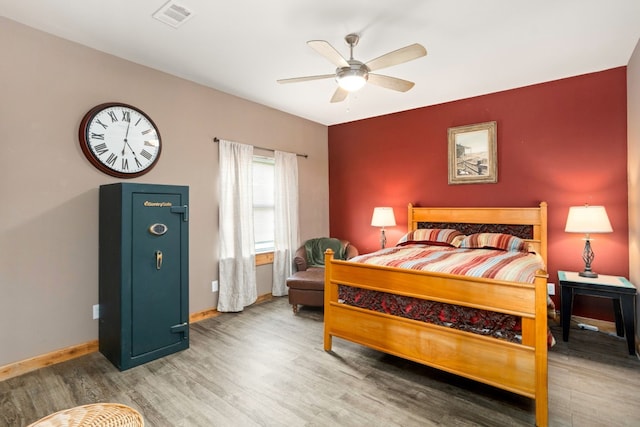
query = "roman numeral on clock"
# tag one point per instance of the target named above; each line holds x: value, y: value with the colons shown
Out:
x: 125, y: 164
x: 147, y: 155
x: 100, y: 149
x: 112, y: 159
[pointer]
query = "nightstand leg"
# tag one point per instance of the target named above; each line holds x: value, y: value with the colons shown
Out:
x: 629, y: 319
x: 565, y: 312
x: 618, y: 315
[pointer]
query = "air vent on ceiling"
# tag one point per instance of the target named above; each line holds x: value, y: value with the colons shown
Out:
x: 173, y: 14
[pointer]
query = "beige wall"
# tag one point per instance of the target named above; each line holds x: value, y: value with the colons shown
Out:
x: 49, y: 191
x: 633, y: 156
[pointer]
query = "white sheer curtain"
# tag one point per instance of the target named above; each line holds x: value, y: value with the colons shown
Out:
x: 287, y: 234
x: 237, y: 270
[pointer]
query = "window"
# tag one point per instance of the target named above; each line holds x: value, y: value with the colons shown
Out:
x: 263, y: 203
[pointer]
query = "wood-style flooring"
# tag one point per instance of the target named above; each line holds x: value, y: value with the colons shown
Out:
x: 267, y: 367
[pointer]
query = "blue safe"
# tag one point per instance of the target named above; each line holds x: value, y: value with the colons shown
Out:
x: 143, y: 272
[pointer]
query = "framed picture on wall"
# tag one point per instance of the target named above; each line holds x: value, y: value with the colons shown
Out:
x: 473, y: 154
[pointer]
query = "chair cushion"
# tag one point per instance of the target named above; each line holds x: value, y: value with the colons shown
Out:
x: 312, y: 279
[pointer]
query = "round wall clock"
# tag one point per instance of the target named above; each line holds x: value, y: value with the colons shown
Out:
x: 120, y: 140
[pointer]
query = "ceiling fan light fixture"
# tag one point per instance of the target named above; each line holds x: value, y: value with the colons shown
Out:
x: 351, y: 79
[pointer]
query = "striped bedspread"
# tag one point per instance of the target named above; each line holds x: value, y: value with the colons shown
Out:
x: 488, y: 263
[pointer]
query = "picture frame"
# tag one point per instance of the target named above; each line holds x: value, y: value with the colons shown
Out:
x: 473, y: 154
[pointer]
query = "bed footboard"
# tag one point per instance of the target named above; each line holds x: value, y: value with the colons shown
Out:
x: 518, y: 368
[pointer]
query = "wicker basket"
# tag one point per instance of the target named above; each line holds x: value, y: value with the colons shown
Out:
x: 93, y: 415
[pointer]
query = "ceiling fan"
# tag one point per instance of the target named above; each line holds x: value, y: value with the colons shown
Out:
x: 352, y: 74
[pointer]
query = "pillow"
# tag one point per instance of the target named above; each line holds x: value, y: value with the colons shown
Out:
x: 431, y: 236
x: 503, y: 242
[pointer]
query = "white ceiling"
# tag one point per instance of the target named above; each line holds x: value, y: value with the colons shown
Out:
x: 243, y: 46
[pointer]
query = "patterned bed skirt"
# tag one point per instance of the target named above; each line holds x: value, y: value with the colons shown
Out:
x: 489, y: 323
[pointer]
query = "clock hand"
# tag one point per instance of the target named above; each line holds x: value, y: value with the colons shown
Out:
x: 126, y: 142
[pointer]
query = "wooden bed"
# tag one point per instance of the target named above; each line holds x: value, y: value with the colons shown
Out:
x: 518, y: 368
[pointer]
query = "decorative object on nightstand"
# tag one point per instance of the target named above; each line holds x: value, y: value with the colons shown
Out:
x: 588, y: 220
x: 619, y: 289
x: 383, y: 217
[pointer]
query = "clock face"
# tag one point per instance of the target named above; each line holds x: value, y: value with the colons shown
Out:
x: 120, y: 140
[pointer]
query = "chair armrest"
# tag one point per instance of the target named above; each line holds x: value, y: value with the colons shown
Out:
x: 300, y: 259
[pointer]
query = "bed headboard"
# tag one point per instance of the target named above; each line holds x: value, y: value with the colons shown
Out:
x: 529, y: 224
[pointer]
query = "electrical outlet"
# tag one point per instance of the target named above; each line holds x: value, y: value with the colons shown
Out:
x: 96, y: 311
x: 551, y: 288
x: 214, y: 286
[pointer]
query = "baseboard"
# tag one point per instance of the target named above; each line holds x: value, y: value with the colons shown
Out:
x: 204, y: 314
x: 263, y: 298
x: 22, y: 367
x: 212, y: 312
x: 58, y: 356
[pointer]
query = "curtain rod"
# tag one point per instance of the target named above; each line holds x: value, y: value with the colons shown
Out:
x: 216, y: 140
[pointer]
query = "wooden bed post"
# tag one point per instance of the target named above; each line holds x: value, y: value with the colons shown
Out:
x: 542, y: 376
x: 543, y: 232
x: 329, y: 291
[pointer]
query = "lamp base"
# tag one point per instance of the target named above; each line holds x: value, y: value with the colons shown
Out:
x: 383, y: 239
x: 587, y: 257
x: 589, y: 274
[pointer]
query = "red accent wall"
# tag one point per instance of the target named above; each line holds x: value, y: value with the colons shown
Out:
x: 563, y: 142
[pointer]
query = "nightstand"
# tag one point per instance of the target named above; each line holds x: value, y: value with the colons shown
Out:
x: 619, y: 289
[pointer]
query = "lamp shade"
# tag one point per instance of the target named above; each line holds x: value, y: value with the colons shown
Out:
x: 588, y: 219
x: 383, y: 217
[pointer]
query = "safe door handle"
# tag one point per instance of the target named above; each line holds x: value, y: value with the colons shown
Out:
x: 158, y: 260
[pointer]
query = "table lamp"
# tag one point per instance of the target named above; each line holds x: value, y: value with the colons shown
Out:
x: 588, y: 220
x: 383, y: 217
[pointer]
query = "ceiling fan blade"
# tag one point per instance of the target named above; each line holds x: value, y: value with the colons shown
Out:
x: 392, y: 83
x: 396, y: 57
x: 307, y: 78
x: 325, y: 49
x: 339, y: 95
